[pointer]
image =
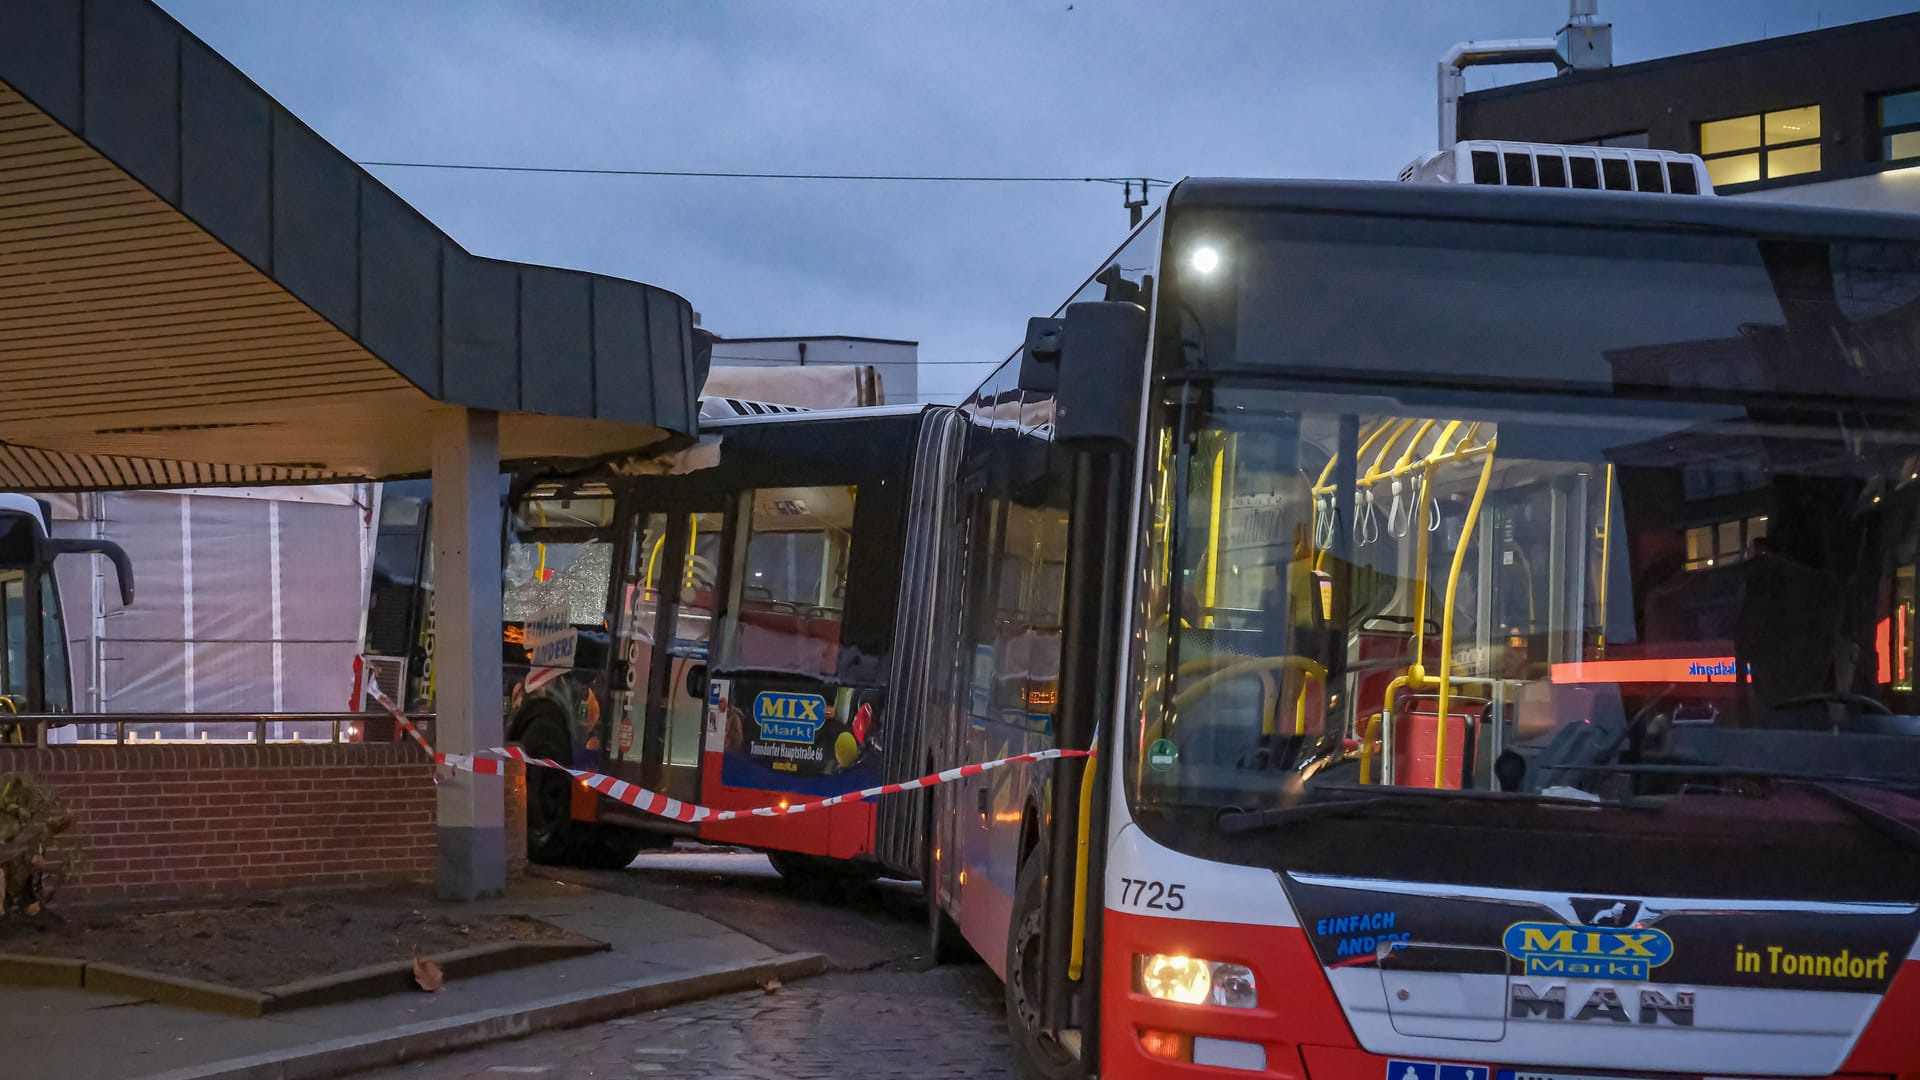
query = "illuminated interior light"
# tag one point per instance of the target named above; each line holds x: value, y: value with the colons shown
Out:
x: 1205, y: 259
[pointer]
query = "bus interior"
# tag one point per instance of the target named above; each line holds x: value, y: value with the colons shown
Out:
x: 1599, y: 609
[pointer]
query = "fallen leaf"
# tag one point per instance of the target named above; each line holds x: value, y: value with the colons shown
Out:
x: 33, y: 908
x: 428, y: 974
x: 770, y: 985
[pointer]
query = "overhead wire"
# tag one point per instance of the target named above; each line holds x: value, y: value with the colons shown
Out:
x: 722, y: 175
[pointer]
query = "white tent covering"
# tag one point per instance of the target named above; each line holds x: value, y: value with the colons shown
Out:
x: 246, y: 600
x: 818, y: 386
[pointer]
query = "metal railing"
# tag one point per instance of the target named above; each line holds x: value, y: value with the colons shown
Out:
x: 197, y: 729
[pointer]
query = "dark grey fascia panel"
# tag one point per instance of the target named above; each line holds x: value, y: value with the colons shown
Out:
x: 399, y: 280
x: 480, y: 305
x: 139, y: 131
x: 556, y: 339
x: 672, y: 395
x: 316, y: 223
x: 40, y: 55
x: 180, y: 119
x: 620, y: 349
x: 226, y: 154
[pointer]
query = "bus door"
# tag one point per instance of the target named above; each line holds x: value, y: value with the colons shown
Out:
x: 670, y: 598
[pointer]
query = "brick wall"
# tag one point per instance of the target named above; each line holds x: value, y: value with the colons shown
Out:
x: 154, y: 822
x: 160, y: 821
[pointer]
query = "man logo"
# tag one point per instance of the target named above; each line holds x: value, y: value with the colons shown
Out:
x: 1597, y: 912
x: 789, y: 718
x: 1603, y: 1003
x: 1596, y: 953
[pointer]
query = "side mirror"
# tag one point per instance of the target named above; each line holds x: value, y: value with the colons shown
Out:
x: 1103, y: 355
x: 52, y: 549
x: 1040, y: 357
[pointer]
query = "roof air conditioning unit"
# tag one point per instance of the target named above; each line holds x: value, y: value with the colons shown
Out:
x: 1490, y: 163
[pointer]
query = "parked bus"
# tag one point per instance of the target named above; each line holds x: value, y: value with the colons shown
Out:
x: 1492, y: 612
x: 35, y: 677
x: 1495, y: 611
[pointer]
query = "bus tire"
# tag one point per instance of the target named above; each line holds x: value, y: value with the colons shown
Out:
x: 1035, y: 1054
x: 609, y: 847
x: 818, y: 871
x: 553, y: 837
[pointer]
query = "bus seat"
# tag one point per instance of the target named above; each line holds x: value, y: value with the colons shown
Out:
x: 1416, y: 739
x: 822, y: 644
x: 773, y: 636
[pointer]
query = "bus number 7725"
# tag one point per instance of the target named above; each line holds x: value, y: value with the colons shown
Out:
x: 1138, y: 892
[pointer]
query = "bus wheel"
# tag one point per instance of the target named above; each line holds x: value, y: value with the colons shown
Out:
x: 818, y: 871
x: 609, y: 847
x: 1035, y: 1053
x: 552, y: 834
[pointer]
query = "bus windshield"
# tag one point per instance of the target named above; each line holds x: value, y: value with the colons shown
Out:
x: 1681, y: 595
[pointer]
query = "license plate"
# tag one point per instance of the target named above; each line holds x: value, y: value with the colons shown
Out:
x: 1535, y: 1074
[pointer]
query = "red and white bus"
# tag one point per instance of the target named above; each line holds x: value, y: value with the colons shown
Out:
x: 1494, y: 611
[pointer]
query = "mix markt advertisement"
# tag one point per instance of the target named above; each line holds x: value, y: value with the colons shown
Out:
x: 797, y: 735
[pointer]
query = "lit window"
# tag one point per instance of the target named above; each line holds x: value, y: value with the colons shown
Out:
x: 1723, y: 544
x: 1767, y: 146
x: 1899, y: 116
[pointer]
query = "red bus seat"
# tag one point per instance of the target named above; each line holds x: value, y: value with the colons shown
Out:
x: 1416, y: 740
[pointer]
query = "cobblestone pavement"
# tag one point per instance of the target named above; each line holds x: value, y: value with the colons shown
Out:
x: 930, y: 1025
x: 882, y: 1013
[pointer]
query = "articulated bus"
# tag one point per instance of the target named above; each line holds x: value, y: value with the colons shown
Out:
x: 1492, y: 612
x: 719, y: 631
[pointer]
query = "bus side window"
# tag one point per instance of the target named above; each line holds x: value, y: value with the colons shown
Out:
x: 13, y: 623
x: 58, y: 685
x: 793, y: 595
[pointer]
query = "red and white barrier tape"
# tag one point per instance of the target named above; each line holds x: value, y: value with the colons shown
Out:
x: 653, y: 802
x: 463, y: 762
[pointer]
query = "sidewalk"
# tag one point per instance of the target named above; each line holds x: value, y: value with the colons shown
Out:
x: 659, y: 956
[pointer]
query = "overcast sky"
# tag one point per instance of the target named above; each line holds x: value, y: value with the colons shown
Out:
x: 1337, y: 88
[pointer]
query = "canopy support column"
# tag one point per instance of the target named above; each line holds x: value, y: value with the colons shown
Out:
x: 466, y: 600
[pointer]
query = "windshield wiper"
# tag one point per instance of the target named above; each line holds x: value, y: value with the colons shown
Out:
x: 1902, y: 832
x: 1741, y: 771
x: 1234, y: 822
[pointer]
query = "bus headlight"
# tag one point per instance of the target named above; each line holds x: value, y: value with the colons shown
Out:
x: 1192, y: 981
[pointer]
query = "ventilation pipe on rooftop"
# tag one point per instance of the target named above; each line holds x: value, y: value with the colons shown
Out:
x: 1584, y: 44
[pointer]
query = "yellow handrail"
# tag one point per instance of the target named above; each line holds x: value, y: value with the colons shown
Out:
x: 1414, y: 443
x: 1213, y: 535
x: 1301, y: 664
x: 1446, y: 618
x: 1077, y: 960
x: 1416, y: 676
x: 1606, y: 541
x: 1366, y: 747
